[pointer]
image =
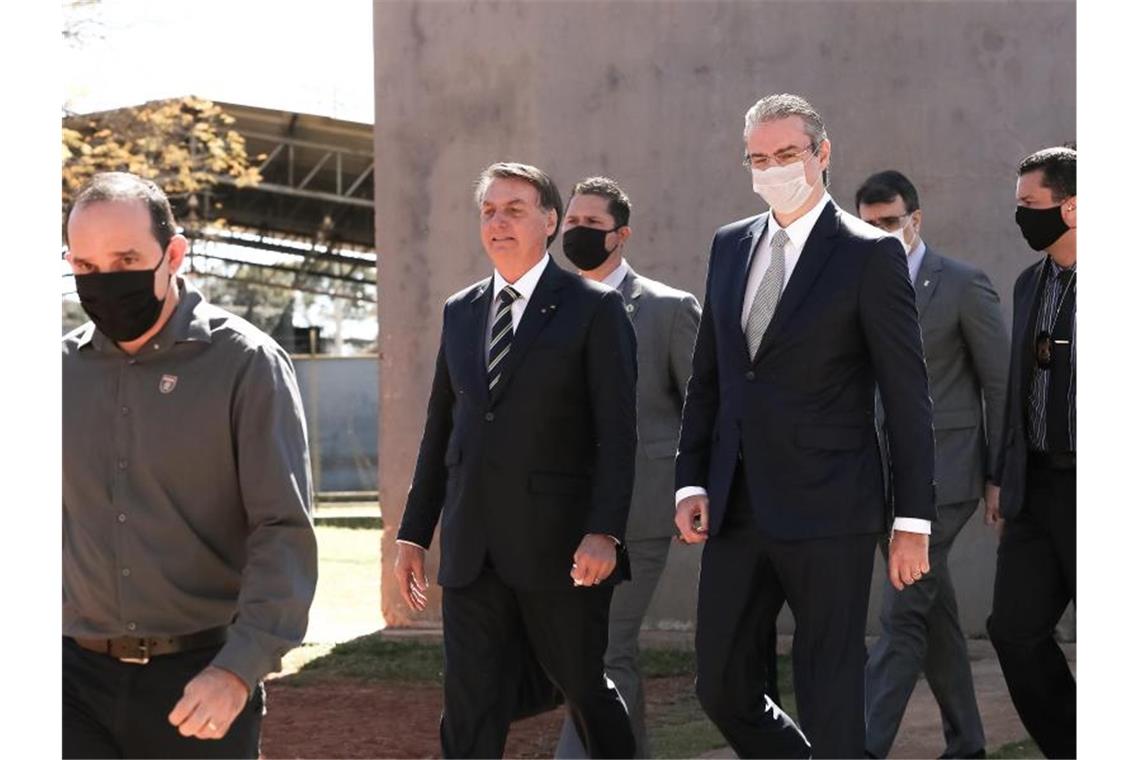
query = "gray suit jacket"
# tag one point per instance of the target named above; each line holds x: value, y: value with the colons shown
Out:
x: 665, y: 320
x: 966, y: 345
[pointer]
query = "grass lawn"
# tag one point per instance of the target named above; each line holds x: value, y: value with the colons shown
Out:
x: 347, y: 603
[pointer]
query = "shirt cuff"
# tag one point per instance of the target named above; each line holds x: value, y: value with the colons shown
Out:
x: 687, y: 491
x: 912, y: 525
x: 409, y: 543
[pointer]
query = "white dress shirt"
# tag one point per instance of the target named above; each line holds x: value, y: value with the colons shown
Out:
x: 914, y: 260
x: 798, y: 232
x: 614, y: 278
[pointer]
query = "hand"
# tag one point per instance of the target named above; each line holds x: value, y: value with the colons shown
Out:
x: 692, y: 519
x: 595, y: 559
x: 209, y: 704
x: 410, y: 575
x: 909, y: 558
x: 992, y: 515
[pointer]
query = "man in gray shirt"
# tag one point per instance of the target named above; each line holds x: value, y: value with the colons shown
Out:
x: 189, y: 558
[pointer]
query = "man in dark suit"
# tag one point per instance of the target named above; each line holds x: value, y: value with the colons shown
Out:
x: 967, y: 348
x: 1036, y: 574
x: 527, y: 460
x: 595, y: 235
x: 778, y: 469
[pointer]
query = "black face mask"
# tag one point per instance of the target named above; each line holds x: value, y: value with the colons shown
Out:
x: 586, y: 246
x: 121, y: 304
x: 1041, y: 227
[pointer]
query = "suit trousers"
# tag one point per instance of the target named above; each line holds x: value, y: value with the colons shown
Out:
x: 630, y: 601
x: 921, y: 633
x: 486, y: 626
x: 1035, y: 581
x: 745, y: 578
x: 119, y: 709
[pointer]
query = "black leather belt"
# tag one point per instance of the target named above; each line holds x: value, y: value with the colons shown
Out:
x: 1053, y: 460
x: 139, y: 649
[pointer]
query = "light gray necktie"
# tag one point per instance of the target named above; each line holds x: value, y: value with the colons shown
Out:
x: 767, y: 295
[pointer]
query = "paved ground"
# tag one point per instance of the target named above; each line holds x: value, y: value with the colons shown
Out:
x: 920, y: 735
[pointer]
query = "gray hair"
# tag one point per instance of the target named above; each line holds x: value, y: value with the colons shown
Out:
x: 782, y: 106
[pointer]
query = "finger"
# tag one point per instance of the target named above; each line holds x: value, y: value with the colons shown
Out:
x: 184, y: 707
x: 419, y: 577
x: 606, y: 571
x: 195, y: 723
x: 704, y: 512
x: 895, y: 575
x: 683, y: 519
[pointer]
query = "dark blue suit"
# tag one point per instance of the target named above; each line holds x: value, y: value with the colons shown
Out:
x: 515, y: 477
x: 785, y: 445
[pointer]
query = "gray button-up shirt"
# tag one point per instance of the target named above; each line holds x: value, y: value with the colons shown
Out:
x: 186, y: 488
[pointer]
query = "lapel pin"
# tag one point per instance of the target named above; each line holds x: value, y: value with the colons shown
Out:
x: 926, y: 283
x: 629, y: 308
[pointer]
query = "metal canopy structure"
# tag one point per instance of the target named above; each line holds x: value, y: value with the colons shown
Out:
x: 317, y: 183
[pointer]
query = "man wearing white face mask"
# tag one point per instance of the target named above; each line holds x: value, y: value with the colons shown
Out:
x: 967, y: 354
x: 806, y: 310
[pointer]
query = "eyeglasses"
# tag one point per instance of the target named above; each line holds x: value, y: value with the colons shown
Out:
x: 889, y: 223
x: 783, y: 158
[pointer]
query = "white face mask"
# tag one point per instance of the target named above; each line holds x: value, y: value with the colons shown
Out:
x: 900, y: 235
x: 783, y: 188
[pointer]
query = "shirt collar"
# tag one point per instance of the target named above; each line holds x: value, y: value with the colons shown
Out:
x: 799, y: 230
x: 914, y: 260
x: 1055, y: 269
x: 615, y: 278
x: 524, y: 285
x: 188, y: 322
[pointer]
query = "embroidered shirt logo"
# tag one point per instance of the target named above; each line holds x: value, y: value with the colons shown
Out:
x: 167, y: 383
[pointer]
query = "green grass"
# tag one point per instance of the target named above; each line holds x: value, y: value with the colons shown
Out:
x: 374, y: 658
x: 347, y: 602
x: 1021, y: 749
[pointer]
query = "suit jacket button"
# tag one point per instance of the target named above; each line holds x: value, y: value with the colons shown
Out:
x: 489, y: 416
x: 749, y: 375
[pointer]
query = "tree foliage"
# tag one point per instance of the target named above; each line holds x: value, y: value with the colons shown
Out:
x: 185, y: 145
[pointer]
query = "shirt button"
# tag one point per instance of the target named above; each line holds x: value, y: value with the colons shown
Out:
x: 126, y: 572
x: 155, y: 346
x: 131, y: 626
x: 489, y: 416
x: 124, y: 411
x: 122, y: 517
x: 749, y: 375
x: 122, y: 464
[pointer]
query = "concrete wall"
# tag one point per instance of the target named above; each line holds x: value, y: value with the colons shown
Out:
x: 653, y: 93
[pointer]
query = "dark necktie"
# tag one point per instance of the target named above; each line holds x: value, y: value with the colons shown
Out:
x: 501, y: 334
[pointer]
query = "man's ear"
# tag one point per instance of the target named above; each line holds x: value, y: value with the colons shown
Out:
x: 176, y: 251
x: 917, y: 217
x: 1069, y: 211
x: 624, y: 233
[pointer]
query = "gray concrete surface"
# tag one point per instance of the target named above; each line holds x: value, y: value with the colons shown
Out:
x: 653, y: 94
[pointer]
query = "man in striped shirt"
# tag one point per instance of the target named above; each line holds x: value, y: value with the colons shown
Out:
x: 1037, y: 466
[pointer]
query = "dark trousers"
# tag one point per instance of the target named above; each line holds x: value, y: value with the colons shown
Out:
x: 119, y: 709
x: 745, y: 578
x: 1035, y: 581
x: 921, y: 633
x: 486, y: 627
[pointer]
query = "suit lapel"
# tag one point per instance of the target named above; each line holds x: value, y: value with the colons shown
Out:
x: 474, y: 329
x: 539, y: 309
x: 926, y: 281
x: 742, y: 259
x: 817, y: 250
x: 631, y: 293
x: 1023, y: 337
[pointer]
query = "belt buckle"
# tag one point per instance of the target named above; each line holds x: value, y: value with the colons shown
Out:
x: 144, y: 650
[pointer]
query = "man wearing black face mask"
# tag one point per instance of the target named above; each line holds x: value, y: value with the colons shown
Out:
x: 189, y: 558
x: 594, y: 237
x: 1036, y: 574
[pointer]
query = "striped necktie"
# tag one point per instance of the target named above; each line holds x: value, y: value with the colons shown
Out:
x: 767, y: 295
x: 501, y: 333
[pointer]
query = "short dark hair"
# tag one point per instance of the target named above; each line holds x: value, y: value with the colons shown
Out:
x: 1058, y: 167
x: 124, y: 186
x: 548, y: 196
x: 619, y: 205
x: 884, y: 187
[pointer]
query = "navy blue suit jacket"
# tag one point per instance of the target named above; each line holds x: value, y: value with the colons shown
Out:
x: 800, y: 416
x: 519, y: 475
